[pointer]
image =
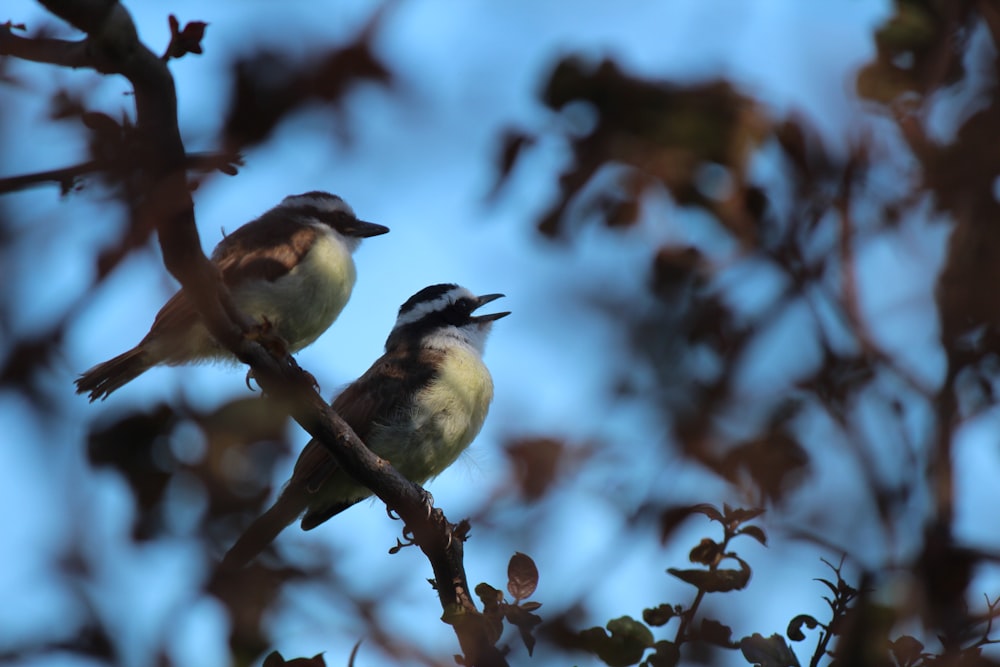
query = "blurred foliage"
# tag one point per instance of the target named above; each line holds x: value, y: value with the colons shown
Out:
x: 638, y: 144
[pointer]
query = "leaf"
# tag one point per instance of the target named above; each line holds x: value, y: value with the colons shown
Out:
x: 490, y: 597
x: 274, y: 659
x: 660, y: 615
x: 755, y: 532
x: 711, y: 511
x: 775, y: 462
x: 672, y: 517
x: 627, y: 626
x: 794, y: 631
x: 708, y: 552
x: 522, y: 576
x: 828, y: 585
x: 772, y: 651
x: 625, y: 646
x: 743, y: 515
x: 906, y: 650
x: 666, y: 655
x: 525, y: 621
x: 715, y: 581
x: 184, y: 41
x: 715, y: 633
x: 513, y: 143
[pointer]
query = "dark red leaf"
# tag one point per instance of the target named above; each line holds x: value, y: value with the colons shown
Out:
x: 711, y: 511
x: 755, y: 532
x: 522, y: 576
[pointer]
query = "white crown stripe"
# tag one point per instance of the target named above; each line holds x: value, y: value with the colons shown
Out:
x: 420, y: 310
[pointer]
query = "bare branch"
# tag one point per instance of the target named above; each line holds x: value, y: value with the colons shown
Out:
x: 52, y: 51
x: 68, y: 178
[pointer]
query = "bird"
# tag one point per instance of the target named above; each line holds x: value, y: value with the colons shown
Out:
x: 291, y: 270
x: 419, y: 406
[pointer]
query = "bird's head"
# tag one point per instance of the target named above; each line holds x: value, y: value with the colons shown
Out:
x: 332, y: 211
x: 443, y: 314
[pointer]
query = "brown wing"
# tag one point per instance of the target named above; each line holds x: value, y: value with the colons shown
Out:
x: 377, y: 397
x: 176, y: 316
x: 265, y: 249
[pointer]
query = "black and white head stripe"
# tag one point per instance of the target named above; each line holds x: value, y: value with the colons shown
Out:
x: 441, y: 316
x: 434, y: 299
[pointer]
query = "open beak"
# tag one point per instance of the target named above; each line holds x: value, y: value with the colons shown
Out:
x: 482, y: 301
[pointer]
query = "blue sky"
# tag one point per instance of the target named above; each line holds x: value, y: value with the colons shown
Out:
x: 420, y: 160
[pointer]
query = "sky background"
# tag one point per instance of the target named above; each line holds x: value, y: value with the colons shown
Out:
x: 421, y: 159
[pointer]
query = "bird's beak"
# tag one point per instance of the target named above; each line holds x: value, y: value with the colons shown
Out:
x: 482, y: 301
x: 361, y: 229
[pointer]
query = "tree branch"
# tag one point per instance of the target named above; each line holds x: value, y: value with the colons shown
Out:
x: 68, y: 177
x: 112, y: 46
x: 41, y: 50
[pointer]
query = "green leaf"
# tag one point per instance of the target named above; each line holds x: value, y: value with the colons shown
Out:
x: 625, y: 646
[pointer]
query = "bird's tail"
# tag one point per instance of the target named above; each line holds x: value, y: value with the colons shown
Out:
x: 104, y: 378
x: 265, y: 529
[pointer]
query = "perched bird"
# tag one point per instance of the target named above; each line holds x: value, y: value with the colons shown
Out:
x: 418, y: 406
x: 290, y: 270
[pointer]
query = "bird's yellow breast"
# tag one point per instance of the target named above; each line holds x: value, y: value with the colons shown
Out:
x: 302, y: 304
x: 445, y: 418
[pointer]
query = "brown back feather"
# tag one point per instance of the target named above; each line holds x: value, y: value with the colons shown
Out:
x: 265, y: 249
x: 379, y: 396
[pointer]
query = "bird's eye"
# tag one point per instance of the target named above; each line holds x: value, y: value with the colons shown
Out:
x: 465, y: 304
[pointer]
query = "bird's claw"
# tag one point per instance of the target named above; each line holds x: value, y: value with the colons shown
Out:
x: 266, y: 335
x: 428, y: 501
x: 306, y: 375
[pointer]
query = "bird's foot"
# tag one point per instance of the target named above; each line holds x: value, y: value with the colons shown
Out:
x: 427, y: 500
x: 306, y: 375
x: 264, y: 334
